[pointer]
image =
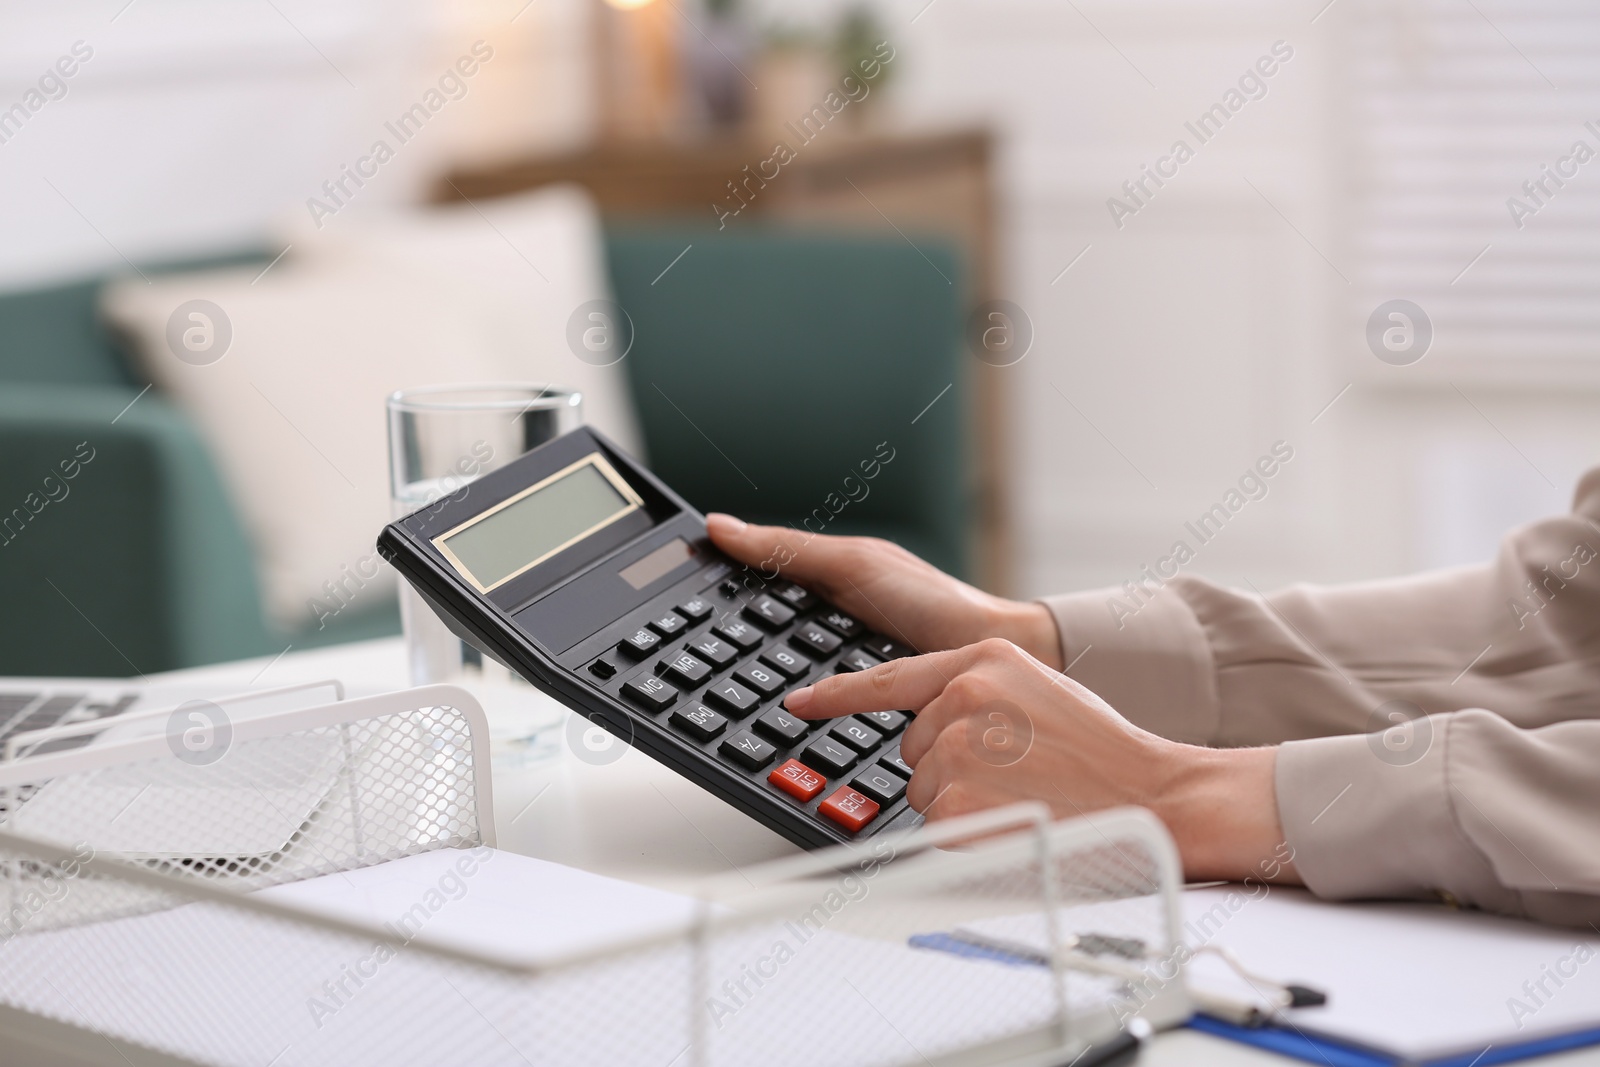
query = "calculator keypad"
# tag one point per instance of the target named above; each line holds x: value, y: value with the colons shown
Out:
x: 650, y: 693
x: 795, y: 596
x: 858, y: 736
x: 669, y: 624
x: 858, y: 660
x: 769, y: 613
x: 887, y: 722
x: 696, y: 609
x: 732, y: 696
x: 748, y: 750
x: 815, y: 641
x: 685, y: 668
x: 716, y: 666
x: 759, y: 677
x: 886, y: 647
x: 798, y: 780
x: 850, y: 809
x: 841, y: 624
x: 639, y: 644
x: 830, y: 755
x: 781, y: 727
x: 881, y: 785
x: 699, y: 722
x: 709, y: 648
x: 787, y: 661
x: 739, y: 632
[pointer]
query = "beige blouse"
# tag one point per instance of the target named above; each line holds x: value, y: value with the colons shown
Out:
x: 1440, y: 733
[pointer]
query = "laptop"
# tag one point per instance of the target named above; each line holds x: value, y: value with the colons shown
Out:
x: 31, y: 705
x: 248, y: 809
x: 40, y: 715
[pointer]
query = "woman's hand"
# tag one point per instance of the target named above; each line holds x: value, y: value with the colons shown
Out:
x: 994, y: 725
x: 889, y: 589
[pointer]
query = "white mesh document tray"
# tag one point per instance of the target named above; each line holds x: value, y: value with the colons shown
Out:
x: 131, y: 932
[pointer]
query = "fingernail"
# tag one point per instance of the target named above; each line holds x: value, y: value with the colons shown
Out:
x: 799, y: 699
x: 733, y: 523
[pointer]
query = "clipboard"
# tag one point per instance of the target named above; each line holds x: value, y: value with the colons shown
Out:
x: 1408, y: 982
x: 1459, y: 969
x: 1332, y: 1053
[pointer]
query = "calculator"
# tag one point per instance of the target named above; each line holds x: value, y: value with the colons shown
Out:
x: 582, y: 572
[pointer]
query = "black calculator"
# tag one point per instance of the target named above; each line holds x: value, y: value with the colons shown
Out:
x: 579, y: 570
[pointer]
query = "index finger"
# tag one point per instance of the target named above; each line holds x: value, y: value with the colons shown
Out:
x: 900, y: 684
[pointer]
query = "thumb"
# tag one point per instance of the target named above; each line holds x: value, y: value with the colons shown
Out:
x: 767, y: 547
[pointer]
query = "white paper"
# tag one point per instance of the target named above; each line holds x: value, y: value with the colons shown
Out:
x: 510, y: 907
x: 221, y: 987
x: 1420, y: 980
x: 249, y: 806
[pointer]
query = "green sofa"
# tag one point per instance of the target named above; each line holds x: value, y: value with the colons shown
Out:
x: 772, y: 370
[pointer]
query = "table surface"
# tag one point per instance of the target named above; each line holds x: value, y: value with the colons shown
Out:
x: 631, y: 818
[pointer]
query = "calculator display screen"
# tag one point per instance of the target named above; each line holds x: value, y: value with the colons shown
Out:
x: 524, y: 531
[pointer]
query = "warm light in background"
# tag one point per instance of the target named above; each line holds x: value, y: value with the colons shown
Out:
x: 638, y: 69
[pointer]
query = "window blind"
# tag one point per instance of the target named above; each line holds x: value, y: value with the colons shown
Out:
x: 1475, y: 149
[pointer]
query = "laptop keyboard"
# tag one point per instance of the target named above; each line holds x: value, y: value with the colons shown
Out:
x: 23, y: 712
x: 718, y: 677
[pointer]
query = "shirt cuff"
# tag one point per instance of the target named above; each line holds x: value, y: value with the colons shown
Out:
x: 1154, y: 665
x: 1367, y: 820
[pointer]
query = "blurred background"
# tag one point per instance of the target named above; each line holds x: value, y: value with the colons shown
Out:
x: 962, y: 230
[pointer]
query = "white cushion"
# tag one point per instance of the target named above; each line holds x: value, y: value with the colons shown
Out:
x: 521, y: 266
x: 294, y: 411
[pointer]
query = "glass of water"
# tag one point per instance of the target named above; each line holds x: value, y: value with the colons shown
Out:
x: 441, y: 438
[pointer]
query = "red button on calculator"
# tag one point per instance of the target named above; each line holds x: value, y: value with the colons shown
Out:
x: 849, y: 809
x: 798, y: 780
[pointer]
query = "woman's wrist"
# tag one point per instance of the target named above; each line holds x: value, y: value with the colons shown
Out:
x: 1222, y: 808
x: 1030, y: 626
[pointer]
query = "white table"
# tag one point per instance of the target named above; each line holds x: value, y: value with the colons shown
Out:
x: 632, y: 818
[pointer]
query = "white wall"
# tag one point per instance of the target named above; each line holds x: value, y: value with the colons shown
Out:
x: 195, y: 125
x: 1213, y: 324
